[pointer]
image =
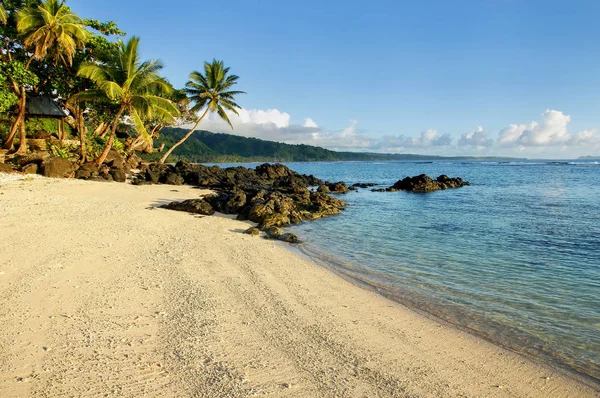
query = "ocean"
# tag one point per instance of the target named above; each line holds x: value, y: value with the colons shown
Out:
x: 513, y: 258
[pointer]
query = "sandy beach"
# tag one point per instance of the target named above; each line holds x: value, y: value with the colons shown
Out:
x: 103, y: 294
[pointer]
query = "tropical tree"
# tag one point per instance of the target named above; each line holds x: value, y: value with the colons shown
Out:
x: 135, y: 86
x: 49, y: 31
x: 213, y: 91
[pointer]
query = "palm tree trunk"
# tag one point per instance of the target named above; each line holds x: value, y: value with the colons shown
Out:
x: 8, y: 144
x: 82, y: 151
x: 113, y: 132
x: 23, y: 139
x: 185, y: 137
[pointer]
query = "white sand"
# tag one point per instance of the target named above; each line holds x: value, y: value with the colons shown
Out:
x: 102, y: 296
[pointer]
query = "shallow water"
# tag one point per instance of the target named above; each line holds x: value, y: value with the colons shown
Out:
x: 515, y: 257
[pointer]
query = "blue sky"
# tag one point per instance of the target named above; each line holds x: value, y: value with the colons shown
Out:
x: 437, y: 77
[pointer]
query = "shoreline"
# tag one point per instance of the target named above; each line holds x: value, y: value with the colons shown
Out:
x: 216, y: 311
x: 416, y: 303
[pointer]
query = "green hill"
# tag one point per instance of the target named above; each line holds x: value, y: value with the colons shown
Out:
x: 206, y: 147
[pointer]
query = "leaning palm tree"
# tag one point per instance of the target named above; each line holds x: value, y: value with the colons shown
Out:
x: 49, y: 31
x: 135, y: 86
x: 213, y: 91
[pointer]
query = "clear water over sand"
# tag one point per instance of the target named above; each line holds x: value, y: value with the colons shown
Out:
x: 515, y: 257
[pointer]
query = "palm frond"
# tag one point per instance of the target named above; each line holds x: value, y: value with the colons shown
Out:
x: 223, y: 115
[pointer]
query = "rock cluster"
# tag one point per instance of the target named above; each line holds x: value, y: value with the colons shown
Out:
x: 115, y: 168
x: 424, y: 183
x: 270, y: 195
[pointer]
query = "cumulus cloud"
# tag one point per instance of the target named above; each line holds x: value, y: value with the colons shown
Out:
x: 549, y: 135
x: 551, y: 131
x: 308, y: 122
x: 476, y: 138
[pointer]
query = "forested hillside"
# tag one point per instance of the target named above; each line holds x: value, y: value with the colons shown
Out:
x: 206, y: 147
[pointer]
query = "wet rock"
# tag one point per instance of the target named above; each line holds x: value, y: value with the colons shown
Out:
x: 274, y: 232
x: 57, y: 168
x: 252, y: 231
x: 196, y: 206
x: 423, y: 183
x: 289, y: 238
x: 364, y: 185
x: 338, y: 187
x: 323, y: 188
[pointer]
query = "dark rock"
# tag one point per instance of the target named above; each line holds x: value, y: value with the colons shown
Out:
x: 140, y: 181
x: 271, y: 195
x: 6, y: 168
x: 173, y: 178
x: 338, y: 187
x: 364, y: 185
x: 423, y: 183
x: 274, y: 232
x: 57, y: 168
x: 87, y: 171
x: 115, y: 159
x: 30, y: 168
x: 252, y: 231
x: 323, y: 188
x: 155, y: 171
x: 196, y: 206
x: 36, y: 157
x: 289, y: 238
x: 118, y: 175
x: 134, y: 161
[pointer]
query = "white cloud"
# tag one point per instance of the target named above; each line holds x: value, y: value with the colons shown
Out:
x: 308, y: 122
x: 476, y: 138
x: 550, y: 132
x: 549, y: 136
x: 427, y: 139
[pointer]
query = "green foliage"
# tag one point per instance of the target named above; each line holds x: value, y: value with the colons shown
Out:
x: 8, y: 98
x: 52, y: 31
x: 213, y: 90
x: 61, y: 150
x: 108, y: 28
x: 18, y: 73
x: 44, y: 128
x: 95, y: 145
x: 134, y: 85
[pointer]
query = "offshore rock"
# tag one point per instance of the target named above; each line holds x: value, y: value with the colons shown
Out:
x: 423, y: 183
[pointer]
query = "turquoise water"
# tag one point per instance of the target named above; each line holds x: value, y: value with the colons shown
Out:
x: 514, y: 258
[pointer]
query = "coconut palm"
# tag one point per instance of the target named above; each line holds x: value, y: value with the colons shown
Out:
x: 52, y: 31
x: 213, y: 91
x: 49, y: 31
x: 135, y: 86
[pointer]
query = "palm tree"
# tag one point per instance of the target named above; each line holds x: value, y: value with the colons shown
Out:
x: 135, y: 86
x: 213, y: 90
x: 49, y: 30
